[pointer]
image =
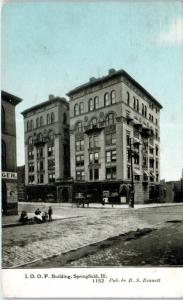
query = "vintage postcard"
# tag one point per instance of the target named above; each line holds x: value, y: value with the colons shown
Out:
x: 92, y: 149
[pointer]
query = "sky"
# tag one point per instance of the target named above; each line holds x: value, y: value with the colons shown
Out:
x: 52, y: 47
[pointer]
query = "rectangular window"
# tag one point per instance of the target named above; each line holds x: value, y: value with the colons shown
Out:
x: 136, y: 160
x: 90, y: 142
x: 157, y: 164
x: 137, y: 177
x: 40, y: 152
x: 128, y: 172
x: 51, y: 178
x: 96, y: 174
x: 40, y: 166
x: 151, y: 163
x: 95, y: 141
x: 91, y: 174
x: 157, y: 151
x: 79, y: 146
x: 108, y: 156
x: 40, y: 178
x: 113, y: 155
x: 110, y: 139
x: 91, y: 158
x: 51, y: 151
x: 31, y: 179
x: 79, y: 160
x: 31, y: 167
x: 151, y: 150
x: 96, y: 158
x: 51, y: 164
x: 30, y: 154
x: 111, y: 173
x: 80, y: 175
x: 127, y: 138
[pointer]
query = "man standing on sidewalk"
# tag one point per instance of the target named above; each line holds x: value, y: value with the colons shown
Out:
x: 50, y: 212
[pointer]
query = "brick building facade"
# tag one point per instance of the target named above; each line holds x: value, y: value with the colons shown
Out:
x: 106, y: 115
x: 46, y: 130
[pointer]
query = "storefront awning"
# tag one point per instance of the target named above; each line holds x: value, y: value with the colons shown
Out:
x: 152, y: 174
x: 146, y: 173
x: 137, y: 172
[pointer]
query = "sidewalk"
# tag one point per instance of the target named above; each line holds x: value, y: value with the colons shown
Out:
x: 8, y: 221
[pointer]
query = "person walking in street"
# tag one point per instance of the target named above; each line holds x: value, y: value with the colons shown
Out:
x: 50, y: 212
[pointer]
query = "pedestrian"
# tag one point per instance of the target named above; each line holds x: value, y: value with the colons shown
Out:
x: 50, y: 212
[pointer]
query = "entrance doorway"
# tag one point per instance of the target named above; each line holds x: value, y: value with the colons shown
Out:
x: 65, y: 195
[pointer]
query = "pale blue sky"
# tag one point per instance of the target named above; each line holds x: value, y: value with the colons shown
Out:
x: 51, y: 47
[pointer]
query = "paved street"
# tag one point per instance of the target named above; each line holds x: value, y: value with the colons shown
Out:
x: 26, y: 244
x: 162, y: 247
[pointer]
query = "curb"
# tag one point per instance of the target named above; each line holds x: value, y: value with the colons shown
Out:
x: 19, y: 224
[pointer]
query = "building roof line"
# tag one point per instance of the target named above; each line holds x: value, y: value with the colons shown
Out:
x: 45, y: 103
x: 110, y: 76
x: 10, y: 98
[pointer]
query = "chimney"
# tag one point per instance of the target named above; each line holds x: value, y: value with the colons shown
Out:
x: 51, y: 97
x: 111, y: 71
x: 92, y: 79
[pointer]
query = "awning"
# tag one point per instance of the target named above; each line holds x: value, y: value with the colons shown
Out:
x: 152, y: 174
x: 137, y: 172
x: 146, y: 173
x: 136, y: 123
x: 136, y: 140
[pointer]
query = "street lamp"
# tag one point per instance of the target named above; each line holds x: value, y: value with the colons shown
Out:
x: 131, y: 154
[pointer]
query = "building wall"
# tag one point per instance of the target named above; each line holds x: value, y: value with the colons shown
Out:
x: 59, y: 126
x: 8, y: 154
x: 123, y: 108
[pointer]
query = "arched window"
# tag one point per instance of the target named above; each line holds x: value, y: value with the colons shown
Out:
x: 93, y: 122
x: 52, y: 117
x: 37, y: 123
x: 106, y: 99
x: 96, y: 102
x: 51, y: 136
x: 79, y: 127
x: 28, y: 125
x: 109, y: 119
x: 30, y: 140
x: 41, y: 121
x: 128, y: 98
x: 143, y: 109
x: 76, y: 109
x: 134, y: 103
x: 137, y: 104
x: 113, y: 97
x: 48, y: 118
x: 90, y: 104
x: 3, y: 120
x: 40, y: 137
x: 64, y: 118
x: 81, y: 107
x: 3, y: 156
x: 31, y: 125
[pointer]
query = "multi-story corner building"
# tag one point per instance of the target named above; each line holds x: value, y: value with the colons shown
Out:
x: 106, y: 115
x: 8, y: 153
x: 46, y: 130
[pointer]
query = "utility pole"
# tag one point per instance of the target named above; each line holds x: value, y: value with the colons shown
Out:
x: 132, y: 192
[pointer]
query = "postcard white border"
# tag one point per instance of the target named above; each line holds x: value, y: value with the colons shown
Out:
x: 117, y: 283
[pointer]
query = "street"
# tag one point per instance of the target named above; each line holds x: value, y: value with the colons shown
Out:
x: 30, y: 245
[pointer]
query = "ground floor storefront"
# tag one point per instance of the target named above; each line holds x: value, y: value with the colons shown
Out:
x: 9, y: 194
x: 117, y: 192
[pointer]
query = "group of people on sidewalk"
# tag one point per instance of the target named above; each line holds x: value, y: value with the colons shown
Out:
x: 39, y: 216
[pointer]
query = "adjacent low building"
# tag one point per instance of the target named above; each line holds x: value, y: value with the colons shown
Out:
x: 47, y: 159
x: 8, y: 153
x: 111, y: 119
